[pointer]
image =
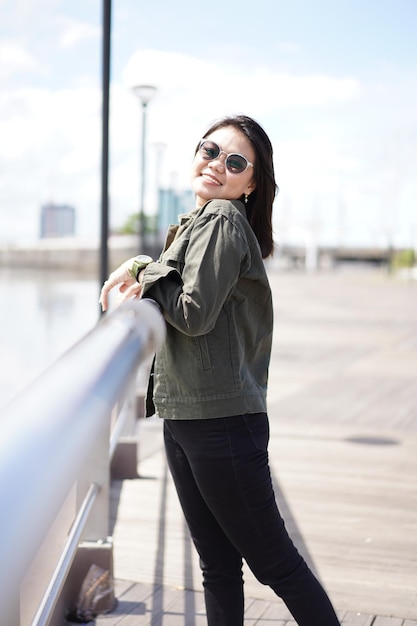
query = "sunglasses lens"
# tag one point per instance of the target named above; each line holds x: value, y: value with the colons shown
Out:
x: 236, y: 163
x: 209, y: 150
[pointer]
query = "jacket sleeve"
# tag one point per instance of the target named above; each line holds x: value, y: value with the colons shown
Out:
x: 216, y: 255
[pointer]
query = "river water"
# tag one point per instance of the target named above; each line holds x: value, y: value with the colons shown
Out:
x: 43, y: 313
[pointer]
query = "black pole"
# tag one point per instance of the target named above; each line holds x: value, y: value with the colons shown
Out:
x: 104, y: 253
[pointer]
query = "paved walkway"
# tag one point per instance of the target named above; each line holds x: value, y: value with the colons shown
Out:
x: 343, y: 450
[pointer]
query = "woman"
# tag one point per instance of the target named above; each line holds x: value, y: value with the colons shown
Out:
x: 211, y: 374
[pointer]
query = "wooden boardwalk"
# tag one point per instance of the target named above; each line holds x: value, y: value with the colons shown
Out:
x: 343, y: 450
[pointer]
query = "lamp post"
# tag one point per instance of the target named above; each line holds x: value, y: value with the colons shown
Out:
x: 104, y: 204
x: 144, y: 93
x: 160, y: 148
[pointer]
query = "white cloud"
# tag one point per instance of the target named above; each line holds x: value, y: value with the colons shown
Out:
x: 290, y: 47
x: 75, y: 31
x: 51, y: 142
x: 208, y: 84
x: 15, y: 58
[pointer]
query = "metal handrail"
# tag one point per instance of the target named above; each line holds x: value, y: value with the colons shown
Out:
x: 48, y: 432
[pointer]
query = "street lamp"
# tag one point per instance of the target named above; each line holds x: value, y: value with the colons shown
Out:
x: 144, y: 93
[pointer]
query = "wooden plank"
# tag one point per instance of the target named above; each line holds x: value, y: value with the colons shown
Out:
x: 254, y: 609
x: 133, y: 604
x: 357, y: 619
x: 188, y: 610
x: 267, y: 622
x: 276, y: 612
x: 380, y: 620
x: 141, y: 605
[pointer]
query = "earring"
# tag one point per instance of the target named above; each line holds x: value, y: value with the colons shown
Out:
x: 246, y: 198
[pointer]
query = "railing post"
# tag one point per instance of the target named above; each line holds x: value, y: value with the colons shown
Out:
x: 124, y: 441
x: 97, y: 470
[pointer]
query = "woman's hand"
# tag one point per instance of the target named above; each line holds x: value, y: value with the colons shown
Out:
x: 128, y: 287
x: 128, y: 293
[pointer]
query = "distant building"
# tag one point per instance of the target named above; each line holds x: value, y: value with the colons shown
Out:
x: 57, y: 220
x: 171, y: 204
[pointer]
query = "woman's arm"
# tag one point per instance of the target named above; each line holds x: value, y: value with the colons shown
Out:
x: 191, y: 301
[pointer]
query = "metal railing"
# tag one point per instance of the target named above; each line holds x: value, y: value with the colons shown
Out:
x: 56, y: 441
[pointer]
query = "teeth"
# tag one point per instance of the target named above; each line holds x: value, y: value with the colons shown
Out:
x: 214, y: 180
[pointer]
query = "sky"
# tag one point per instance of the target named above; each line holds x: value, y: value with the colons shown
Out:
x: 333, y: 82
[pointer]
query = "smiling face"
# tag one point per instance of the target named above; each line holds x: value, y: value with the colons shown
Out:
x: 212, y: 180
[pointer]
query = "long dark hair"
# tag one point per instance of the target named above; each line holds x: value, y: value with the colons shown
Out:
x: 260, y: 201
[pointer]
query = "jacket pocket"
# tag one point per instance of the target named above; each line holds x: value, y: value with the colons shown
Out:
x: 203, y: 352
x: 175, y: 255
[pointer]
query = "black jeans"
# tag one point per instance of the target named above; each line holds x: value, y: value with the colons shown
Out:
x: 221, y: 473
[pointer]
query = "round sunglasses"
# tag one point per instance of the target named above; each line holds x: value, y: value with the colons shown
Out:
x: 235, y: 163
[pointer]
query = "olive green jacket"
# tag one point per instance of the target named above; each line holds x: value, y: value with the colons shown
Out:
x: 211, y: 285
